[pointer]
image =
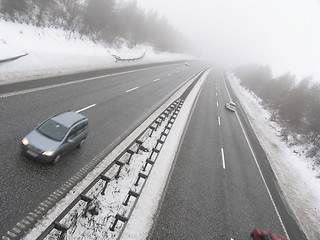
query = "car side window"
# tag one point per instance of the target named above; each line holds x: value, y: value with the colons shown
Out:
x: 77, y: 130
x: 82, y: 127
x: 72, y: 134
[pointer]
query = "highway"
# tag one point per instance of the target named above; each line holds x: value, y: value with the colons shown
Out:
x: 222, y: 186
x: 115, y: 102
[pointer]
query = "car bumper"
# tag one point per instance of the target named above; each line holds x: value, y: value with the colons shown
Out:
x: 230, y: 108
x: 31, y: 153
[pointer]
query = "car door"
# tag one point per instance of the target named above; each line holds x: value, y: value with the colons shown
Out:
x: 70, y: 140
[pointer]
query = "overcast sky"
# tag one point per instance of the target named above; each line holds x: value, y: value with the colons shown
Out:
x: 284, y: 34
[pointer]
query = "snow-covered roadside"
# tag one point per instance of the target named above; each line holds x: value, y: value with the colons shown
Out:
x: 54, y: 52
x: 296, y: 179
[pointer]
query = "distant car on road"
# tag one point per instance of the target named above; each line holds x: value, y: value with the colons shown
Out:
x: 56, y: 136
x: 259, y: 234
x: 231, y: 106
x: 187, y: 64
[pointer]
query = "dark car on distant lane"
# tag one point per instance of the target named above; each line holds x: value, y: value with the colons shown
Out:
x: 56, y: 136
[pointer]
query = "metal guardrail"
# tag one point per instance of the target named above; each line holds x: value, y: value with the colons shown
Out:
x: 13, y: 58
x: 119, y: 59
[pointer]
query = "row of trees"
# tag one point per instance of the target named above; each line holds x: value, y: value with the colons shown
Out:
x: 102, y: 20
x: 294, y: 103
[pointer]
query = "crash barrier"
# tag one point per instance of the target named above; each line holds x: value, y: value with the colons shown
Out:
x: 154, y: 135
x: 13, y: 58
x: 119, y: 59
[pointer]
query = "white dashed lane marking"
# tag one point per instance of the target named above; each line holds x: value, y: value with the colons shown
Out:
x: 132, y: 89
x: 223, y: 161
x: 83, y: 109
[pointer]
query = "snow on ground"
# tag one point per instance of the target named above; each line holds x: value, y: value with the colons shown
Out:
x: 297, y: 180
x: 55, y: 52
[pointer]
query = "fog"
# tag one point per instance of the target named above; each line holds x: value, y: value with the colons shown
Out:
x: 284, y: 34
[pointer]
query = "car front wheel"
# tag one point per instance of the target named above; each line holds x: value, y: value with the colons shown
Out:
x: 81, y: 143
x: 56, y: 159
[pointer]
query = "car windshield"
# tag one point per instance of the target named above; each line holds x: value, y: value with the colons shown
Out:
x: 53, y: 130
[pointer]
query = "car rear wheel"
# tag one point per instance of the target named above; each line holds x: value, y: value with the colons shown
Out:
x: 56, y: 159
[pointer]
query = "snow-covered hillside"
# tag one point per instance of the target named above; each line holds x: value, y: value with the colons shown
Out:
x: 55, y: 52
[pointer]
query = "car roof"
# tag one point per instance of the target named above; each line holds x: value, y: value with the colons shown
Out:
x: 68, y: 118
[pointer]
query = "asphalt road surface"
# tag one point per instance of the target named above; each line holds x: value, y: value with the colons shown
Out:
x: 216, y: 189
x: 115, y: 102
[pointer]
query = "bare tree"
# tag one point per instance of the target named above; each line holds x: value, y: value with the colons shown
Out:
x: 15, y: 10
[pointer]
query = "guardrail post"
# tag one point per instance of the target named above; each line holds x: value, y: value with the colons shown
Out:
x: 130, y: 193
x: 158, y: 123
x: 154, y: 150
x: 162, y: 118
x: 140, y: 175
x: 163, y: 134
x: 168, y: 128
x: 118, y: 217
x: 139, y: 145
x: 131, y: 153
x: 88, y: 200
x: 159, y: 141
x: 107, y: 180
x: 62, y: 228
x: 152, y: 130
x: 120, y: 164
x: 148, y: 161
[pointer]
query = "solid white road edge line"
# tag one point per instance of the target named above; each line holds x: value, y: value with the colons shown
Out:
x: 83, y: 109
x: 256, y: 161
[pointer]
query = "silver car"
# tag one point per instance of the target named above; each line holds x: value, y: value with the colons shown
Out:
x: 231, y: 106
x: 56, y: 136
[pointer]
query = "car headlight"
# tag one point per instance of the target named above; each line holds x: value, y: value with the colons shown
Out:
x: 48, y: 153
x: 25, y: 141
